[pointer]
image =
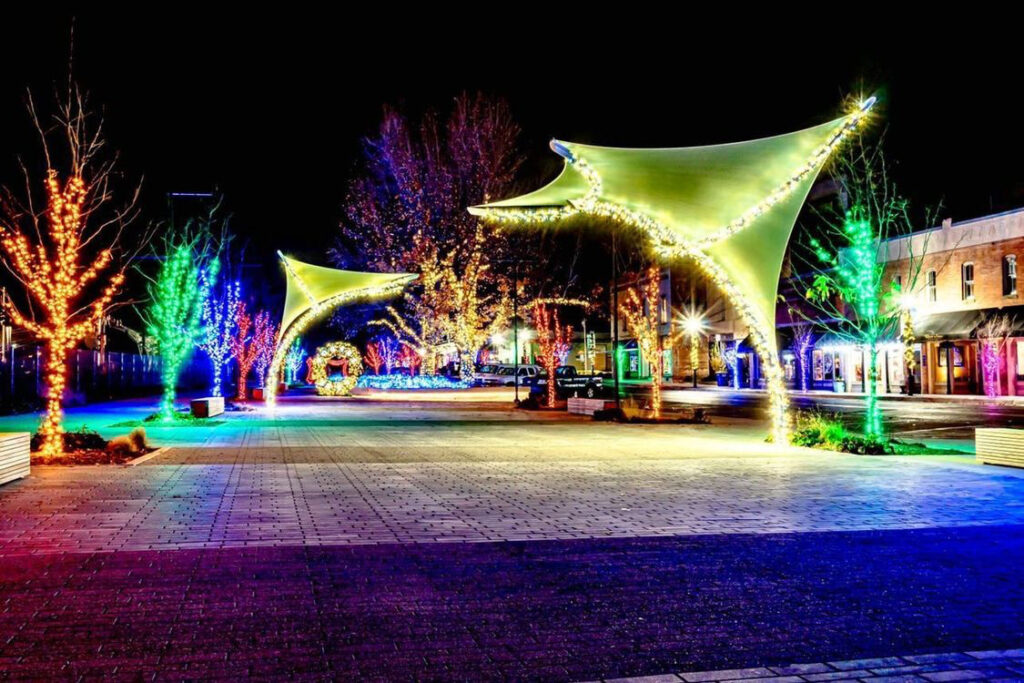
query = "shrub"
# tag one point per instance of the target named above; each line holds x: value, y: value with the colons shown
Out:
x: 815, y: 429
x: 82, y: 439
x: 137, y: 438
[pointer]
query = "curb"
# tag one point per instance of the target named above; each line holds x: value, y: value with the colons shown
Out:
x: 148, y: 456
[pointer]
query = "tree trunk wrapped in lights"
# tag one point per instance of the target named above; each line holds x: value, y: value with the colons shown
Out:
x: 993, y: 333
x: 178, y: 295
x: 553, y: 342
x: 803, y: 340
x: 640, y: 315
x: 63, y: 253
x: 252, y: 337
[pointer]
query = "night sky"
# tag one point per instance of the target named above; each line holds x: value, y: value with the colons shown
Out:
x: 271, y: 109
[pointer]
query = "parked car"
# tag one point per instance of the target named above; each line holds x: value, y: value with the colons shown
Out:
x: 489, y: 375
x: 570, y: 382
x: 527, y: 375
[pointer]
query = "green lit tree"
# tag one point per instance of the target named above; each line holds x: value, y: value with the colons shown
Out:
x: 177, y: 295
x: 850, y: 290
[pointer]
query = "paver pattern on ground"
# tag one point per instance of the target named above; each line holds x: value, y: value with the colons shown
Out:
x: 402, y: 540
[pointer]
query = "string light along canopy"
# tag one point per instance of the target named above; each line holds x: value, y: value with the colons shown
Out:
x: 730, y: 208
x: 312, y: 291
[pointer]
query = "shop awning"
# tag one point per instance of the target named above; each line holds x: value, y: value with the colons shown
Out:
x: 831, y: 340
x: 949, y: 325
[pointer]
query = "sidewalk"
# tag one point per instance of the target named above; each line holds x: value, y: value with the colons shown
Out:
x: 925, y: 398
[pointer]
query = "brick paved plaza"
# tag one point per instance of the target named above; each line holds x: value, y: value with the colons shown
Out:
x: 466, y: 540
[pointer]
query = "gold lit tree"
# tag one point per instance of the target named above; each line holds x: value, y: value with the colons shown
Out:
x: 451, y: 302
x: 60, y: 242
x: 640, y: 314
x: 553, y: 342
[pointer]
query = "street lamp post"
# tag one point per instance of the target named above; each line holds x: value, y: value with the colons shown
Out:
x: 693, y: 325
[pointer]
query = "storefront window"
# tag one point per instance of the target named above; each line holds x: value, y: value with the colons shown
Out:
x: 819, y: 365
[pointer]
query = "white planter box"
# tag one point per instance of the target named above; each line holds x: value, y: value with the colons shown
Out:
x: 999, y: 446
x: 207, y: 407
x: 14, y: 455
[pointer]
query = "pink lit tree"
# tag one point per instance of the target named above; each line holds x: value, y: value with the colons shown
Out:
x: 993, y: 334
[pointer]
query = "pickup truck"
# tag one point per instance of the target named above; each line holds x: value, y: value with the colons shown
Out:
x: 569, y: 382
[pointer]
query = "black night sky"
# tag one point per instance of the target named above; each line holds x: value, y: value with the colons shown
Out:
x: 271, y: 109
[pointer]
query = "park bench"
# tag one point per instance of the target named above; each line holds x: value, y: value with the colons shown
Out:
x: 208, y: 406
x: 15, y: 455
x: 999, y: 446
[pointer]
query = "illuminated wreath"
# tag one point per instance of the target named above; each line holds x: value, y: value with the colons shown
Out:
x: 335, y: 354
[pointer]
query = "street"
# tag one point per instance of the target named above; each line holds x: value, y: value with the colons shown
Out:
x: 929, y: 419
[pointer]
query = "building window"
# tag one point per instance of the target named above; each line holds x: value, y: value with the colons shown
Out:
x: 930, y: 286
x: 663, y: 310
x: 1010, y: 275
x: 967, y: 281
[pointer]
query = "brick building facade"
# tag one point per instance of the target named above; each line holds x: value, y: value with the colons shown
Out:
x: 967, y: 274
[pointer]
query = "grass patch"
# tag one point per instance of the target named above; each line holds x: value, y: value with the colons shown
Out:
x: 181, y: 419
x: 817, y: 429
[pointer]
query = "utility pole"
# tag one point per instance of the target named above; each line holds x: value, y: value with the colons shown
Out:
x: 615, y: 319
x: 515, y: 328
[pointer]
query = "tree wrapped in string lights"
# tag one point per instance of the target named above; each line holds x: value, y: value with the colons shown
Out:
x: 266, y: 355
x: 409, y: 359
x: 640, y: 315
x: 803, y: 340
x: 406, y: 211
x: 252, y: 337
x: 178, y: 294
x: 553, y: 342
x: 219, y: 330
x: 847, y: 282
x: 993, y: 334
x: 60, y: 243
x: 373, y: 358
x: 293, y: 361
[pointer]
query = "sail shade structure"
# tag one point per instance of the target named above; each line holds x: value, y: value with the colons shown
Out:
x: 309, y: 286
x: 697, y: 192
x: 730, y: 207
x: 314, y: 290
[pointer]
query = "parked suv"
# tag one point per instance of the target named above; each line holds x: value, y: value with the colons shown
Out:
x: 569, y: 382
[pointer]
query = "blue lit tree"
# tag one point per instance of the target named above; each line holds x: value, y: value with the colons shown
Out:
x: 219, y: 324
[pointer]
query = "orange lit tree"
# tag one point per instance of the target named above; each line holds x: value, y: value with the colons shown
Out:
x: 59, y: 242
x: 640, y: 314
x: 373, y: 357
x: 553, y: 342
x: 252, y: 337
